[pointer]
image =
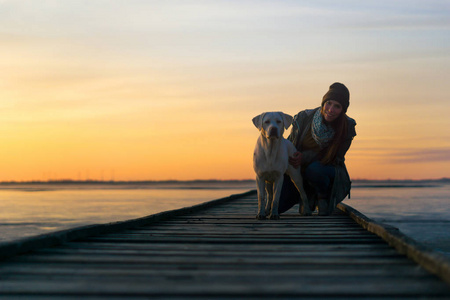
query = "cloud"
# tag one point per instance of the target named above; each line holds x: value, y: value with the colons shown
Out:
x: 391, y: 149
x: 421, y: 155
x: 401, y: 156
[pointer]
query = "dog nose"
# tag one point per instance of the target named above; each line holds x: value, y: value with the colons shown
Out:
x: 273, y: 132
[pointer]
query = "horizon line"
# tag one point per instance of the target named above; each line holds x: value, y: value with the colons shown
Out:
x: 95, y: 181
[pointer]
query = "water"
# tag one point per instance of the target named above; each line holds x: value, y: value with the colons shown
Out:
x: 419, y: 210
x: 33, y: 209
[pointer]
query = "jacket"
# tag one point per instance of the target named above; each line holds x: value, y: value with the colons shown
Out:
x: 342, y: 183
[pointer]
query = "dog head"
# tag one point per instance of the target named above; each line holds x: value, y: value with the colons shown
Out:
x: 272, y: 124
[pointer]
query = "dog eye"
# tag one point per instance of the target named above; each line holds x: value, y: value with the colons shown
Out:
x: 278, y: 122
x: 266, y: 122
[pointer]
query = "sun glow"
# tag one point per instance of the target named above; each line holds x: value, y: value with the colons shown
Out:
x: 162, y: 91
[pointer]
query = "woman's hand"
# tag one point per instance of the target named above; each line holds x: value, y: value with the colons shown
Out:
x: 296, y: 159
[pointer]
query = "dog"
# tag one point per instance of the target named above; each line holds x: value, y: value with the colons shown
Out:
x: 271, y: 162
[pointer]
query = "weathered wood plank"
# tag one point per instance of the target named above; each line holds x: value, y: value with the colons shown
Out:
x: 55, y: 270
x: 199, y: 252
x: 164, y: 247
x: 298, y: 259
x: 187, y: 267
x: 211, y: 286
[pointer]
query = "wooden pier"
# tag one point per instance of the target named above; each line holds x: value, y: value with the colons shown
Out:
x: 220, y: 251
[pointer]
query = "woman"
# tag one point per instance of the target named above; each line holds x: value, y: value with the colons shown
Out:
x: 322, y: 136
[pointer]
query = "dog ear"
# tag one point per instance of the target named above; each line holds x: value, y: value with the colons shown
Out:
x: 258, y: 121
x: 287, y: 120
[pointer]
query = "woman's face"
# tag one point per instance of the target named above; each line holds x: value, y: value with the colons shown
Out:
x: 331, y: 110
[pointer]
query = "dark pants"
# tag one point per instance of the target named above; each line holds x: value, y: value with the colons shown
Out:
x: 319, y: 178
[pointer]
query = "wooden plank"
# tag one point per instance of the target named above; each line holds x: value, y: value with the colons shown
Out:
x: 52, y: 269
x: 217, y: 260
x: 211, y: 286
x: 232, y: 249
x: 73, y: 268
x: 163, y: 247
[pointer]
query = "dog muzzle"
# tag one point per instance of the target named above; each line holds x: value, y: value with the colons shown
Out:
x: 273, y: 133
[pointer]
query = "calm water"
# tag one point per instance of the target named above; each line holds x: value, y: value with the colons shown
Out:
x: 36, y: 209
x: 420, y: 211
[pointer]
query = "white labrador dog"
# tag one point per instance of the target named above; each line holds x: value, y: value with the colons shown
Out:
x: 271, y: 162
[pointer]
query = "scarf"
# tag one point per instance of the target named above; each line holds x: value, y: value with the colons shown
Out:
x: 321, y: 132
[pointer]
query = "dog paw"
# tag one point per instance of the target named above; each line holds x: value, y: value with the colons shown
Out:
x: 260, y: 217
x: 274, y: 217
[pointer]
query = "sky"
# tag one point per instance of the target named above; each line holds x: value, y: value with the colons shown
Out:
x: 166, y: 90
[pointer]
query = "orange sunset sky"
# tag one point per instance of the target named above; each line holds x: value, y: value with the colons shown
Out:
x: 157, y: 90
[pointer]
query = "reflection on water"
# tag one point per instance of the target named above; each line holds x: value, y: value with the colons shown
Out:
x: 422, y: 213
x: 25, y: 213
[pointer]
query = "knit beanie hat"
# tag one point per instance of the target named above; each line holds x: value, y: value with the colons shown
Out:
x: 338, y: 92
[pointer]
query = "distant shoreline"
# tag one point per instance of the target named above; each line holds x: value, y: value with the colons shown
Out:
x: 68, y: 181
x: 356, y: 182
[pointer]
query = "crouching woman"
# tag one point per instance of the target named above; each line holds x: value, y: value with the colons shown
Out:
x: 322, y: 137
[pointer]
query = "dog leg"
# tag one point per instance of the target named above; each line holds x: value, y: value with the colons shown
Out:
x: 304, y: 208
x: 269, y: 199
x: 261, y: 189
x: 276, y: 199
